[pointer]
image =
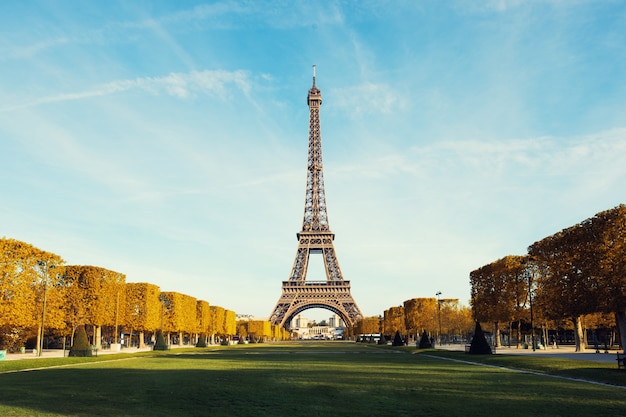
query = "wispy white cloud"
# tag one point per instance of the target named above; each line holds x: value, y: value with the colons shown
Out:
x: 181, y: 85
x: 369, y: 98
x: 501, y: 6
x: 588, y: 163
x: 220, y: 16
x: 27, y: 51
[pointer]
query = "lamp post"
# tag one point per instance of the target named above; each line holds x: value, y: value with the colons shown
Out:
x: 530, y: 301
x: 117, y: 306
x: 531, y: 277
x: 439, y: 314
x: 45, y: 267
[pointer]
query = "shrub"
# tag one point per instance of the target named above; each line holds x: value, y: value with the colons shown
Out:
x: 160, y: 342
x: 12, y: 338
x: 479, y: 345
x: 425, y: 341
x: 81, y: 345
x: 397, y: 340
x: 201, y: 341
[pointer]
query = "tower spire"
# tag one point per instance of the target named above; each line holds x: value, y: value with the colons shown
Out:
x: 315, y: 216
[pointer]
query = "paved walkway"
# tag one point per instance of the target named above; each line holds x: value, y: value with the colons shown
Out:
x: 567, y: 352
x: 59, y: 353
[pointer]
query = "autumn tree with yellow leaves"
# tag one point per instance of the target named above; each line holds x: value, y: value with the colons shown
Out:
x: 216, y: 322
x: 393, y: 321
x: 582, y: 270
x: 259, y: 330
x: 203, y: 316
x: 29, y: 278
x: 420, y: 314
x: 230, y: 323
x: 368, y: 325
x: 37, y: 290
x: 179, y: 314
x: 143, y: 309
x: 456, y: 319
x: 95, y: 296
x: 500, y: 292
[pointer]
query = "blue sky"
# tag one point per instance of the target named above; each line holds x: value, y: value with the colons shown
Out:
x: 168, y: 140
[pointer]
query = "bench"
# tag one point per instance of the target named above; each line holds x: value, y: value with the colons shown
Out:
x: 621, y: 361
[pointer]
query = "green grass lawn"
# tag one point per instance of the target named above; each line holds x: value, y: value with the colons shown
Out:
x: 308, y: 379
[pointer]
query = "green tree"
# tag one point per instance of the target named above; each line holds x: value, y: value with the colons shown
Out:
x: 479, y: 344
x: 81, y: 346
x: 160, y: 343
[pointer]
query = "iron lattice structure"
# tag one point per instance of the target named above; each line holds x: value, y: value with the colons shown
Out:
x: 298, y: 294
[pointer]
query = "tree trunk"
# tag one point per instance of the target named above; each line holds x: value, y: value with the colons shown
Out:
x: 620, y: 319
x: 579, y: 335
x: 519, y: 332
x: 496, y: 334
x: 97, y: 335
x: 510, y: 333
x: 141, y: 343
x: 38, y: 339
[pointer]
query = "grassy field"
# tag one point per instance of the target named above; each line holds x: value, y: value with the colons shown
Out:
x: 309, y: 379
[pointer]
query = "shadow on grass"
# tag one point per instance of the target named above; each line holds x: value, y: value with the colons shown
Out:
x: 315, y: 383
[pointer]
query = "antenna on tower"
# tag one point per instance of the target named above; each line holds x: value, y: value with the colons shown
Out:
x: 314, y: 75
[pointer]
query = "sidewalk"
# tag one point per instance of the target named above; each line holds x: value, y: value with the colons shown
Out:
x: 567, y: 352
x: 59, y: 353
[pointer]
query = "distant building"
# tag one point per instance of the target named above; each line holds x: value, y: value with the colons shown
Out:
x: 301, y: 322
x: 333, y: 331
x: 335, y: 321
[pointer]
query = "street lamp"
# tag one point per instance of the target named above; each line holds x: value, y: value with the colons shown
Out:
x: 531, y: 277
x: 439, y: 313
x: 45, y: 267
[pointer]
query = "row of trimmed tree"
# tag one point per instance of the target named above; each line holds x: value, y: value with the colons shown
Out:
x: 258, y: 331
x: 442, y: 319
x: 38, y: 291
x: 575, y: 275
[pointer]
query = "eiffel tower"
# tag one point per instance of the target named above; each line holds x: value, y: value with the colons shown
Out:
x: 298, y: 294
